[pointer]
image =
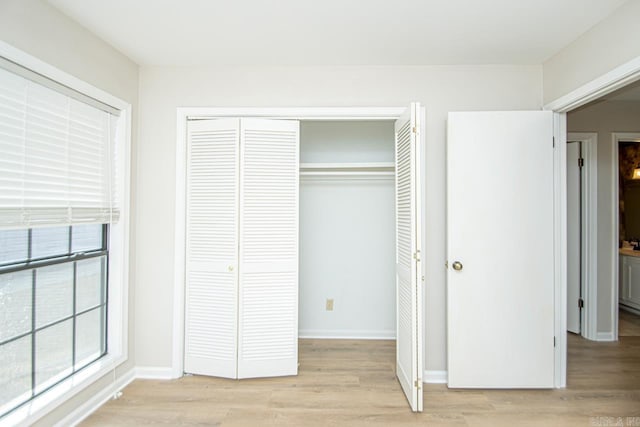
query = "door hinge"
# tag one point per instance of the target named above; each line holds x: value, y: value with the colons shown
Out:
x: 580, y: 162
x: 416, y: 256
x: 553, y: 142
x: 580, y: 303
x: 446, y: 264
x: 414, y: 129
x: 554, y: 341
x: 418, y: 383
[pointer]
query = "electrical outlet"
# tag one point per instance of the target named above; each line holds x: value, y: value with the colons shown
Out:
x: 329, y: 304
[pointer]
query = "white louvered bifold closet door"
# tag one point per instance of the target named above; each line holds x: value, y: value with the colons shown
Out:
x: 408, y: 268
x: 268, y: 300
x: 211, y: 300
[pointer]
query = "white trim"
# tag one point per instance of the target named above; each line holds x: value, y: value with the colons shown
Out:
x: 435, y: 377
x: 629, y: 309
x: 191, y: 113
x: 177, y: 362
x: 83, y: 411
x: 615, y: 79
x: 53, y: 73
x: 154, y: 373
x: 40, y: 406
x: 119, y: 238
x: 560, y: 248
x: 616, y: 137
x: 389, y: 334
x: 606, y: 336
x: 295, y: 113
x: 589, y: 231
x: 55, y: 86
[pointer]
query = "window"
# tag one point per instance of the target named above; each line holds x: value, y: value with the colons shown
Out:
x: 63, y: 236
x: 53, y: 298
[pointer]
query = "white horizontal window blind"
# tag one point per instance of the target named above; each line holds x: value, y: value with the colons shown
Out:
x: 58, y: 157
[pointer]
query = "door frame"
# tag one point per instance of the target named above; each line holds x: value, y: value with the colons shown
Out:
x: 589, y: 231
x: 299, y: 113
x: 617, y: 78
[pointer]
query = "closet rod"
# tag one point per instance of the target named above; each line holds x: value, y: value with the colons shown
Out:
x: 346, y: 173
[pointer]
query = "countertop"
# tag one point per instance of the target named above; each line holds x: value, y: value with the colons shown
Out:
x: 629, y: 252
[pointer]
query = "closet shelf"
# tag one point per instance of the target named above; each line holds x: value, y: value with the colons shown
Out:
x: 348, y: 171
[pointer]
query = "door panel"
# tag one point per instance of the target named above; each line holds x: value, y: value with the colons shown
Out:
x: 211, y: 299
x: 500, y: 231
x: 268, y: 316
x: 408, y: 266
x: 574, y: 236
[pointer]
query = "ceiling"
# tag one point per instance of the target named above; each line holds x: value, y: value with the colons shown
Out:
x: 337, y: 32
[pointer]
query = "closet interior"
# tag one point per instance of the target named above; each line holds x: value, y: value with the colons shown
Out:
x: 347, y: 230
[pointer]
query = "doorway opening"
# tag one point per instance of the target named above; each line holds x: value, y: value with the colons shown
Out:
x: 595, y: 221
x: 628, y: 198
x: 604, y: 270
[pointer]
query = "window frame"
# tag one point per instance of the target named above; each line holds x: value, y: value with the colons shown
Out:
x: 32, y: 265
x: 118, y: 259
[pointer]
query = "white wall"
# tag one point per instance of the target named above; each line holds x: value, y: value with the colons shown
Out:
x: 42, y: 31
x: 347, y: 141
x: 439, y: 88
x: 607, y: 45
x: 605, y: 118
x: 347, y: 234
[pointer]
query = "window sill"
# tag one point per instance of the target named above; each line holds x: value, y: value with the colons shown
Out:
x: 40, y: 406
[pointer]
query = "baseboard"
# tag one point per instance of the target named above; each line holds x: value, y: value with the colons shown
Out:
x: 435, y: 377
x: 347, y: 334
x: 629, y: 309
x: 154, y: 373
x: 90, y: 406
x: 605, y: 336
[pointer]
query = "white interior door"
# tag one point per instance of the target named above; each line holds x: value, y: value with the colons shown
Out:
x: 500, y: 283
x: 408, y: 266
x: 268, y: 290
x: 574, y: 236
x: 211, y: 300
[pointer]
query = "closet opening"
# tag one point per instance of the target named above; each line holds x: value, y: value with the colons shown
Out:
x: 347, y: 230
x: 298, y: 229
x: 347, y: 283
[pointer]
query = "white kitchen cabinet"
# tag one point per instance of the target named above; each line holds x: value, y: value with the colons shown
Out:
x: 630, y: 281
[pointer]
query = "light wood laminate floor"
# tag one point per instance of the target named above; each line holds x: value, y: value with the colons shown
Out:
x: 628, y: 324
x: 352, y: 383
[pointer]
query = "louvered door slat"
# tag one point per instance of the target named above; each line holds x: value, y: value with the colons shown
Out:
x: 408, y: 272
x: 268, y: 317
x: 212, y: 248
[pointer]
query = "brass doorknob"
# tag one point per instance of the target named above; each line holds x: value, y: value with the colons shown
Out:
x: 457, y: 265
